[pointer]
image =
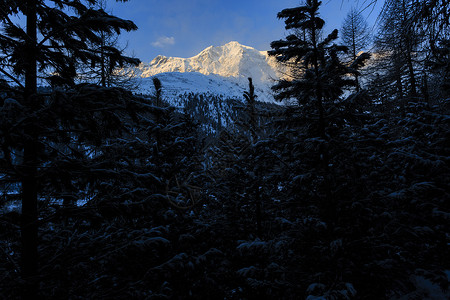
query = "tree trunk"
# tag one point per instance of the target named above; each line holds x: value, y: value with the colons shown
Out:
x: 258, y: 213
x: 408, y: 35
x: 355, y: 55
x: 29, y: 219
x: 102, y: 60
x: 318, y: 88
x: 399, y: 85
x: 398, y: 76
x: 425, y: 90
x: 412, y: 77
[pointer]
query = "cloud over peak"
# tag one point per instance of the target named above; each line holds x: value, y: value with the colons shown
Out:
x: 164, y: 41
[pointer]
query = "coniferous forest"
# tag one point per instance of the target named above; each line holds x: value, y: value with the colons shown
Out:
x: 340, y: 192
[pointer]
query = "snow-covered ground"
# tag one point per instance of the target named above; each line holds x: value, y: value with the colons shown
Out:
x: 175, y: 84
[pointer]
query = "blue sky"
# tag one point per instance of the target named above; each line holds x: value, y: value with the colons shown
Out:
x: 185, y: 27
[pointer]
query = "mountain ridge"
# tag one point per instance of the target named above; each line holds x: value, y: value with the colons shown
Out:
x: 230, y: 60
x: 218, y: 70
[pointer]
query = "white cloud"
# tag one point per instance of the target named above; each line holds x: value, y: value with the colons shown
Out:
x: 164, y: 41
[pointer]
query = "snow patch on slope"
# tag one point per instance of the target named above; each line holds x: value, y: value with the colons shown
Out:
x: 177, y: 83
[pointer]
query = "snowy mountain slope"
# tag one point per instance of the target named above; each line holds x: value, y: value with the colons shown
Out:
x: 175, y: 84
x: 230, y: 60
x: 221, y: 70
x: 213, y: 101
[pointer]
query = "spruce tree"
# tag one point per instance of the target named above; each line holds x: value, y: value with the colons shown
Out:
x: 250, y: 98
x: 55, y: 40
x: 319, y: 75
x: 110, y: 70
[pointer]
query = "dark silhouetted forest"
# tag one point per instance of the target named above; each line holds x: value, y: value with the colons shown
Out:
x: 340, y: 191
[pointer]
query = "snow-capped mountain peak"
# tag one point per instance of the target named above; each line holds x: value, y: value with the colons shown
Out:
x: 229, y: 60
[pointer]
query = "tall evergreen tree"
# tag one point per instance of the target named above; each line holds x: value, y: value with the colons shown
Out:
x: 320, y: 76
x: 158, y: 90
x: 56, y: 38
x: 109, y: 71
x: 250, y: 98
x: 355, y: 35
x: 400, y: 40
